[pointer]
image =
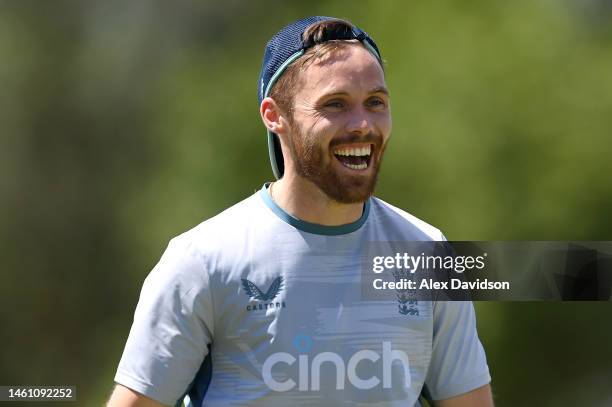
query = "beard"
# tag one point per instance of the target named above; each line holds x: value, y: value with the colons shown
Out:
x: 314, y: 163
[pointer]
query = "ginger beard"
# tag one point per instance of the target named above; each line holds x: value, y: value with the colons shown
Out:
x: 317, y: 163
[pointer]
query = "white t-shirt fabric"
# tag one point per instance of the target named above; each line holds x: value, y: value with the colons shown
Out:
x: 255, y: 307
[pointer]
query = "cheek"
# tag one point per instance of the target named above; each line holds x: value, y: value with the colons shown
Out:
x: 322, y: 131
x: 305, y: 141
x: 310, y: 124
x: 384, y: 125
x: 388, y: 129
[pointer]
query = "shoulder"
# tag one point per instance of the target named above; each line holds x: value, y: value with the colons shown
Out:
x: 226, y: 224
x: 408, y: 226
x: 223, y: 238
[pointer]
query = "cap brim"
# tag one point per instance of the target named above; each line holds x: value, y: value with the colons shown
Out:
x: 276, y: 155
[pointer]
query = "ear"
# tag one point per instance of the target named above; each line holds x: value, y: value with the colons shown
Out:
x: 272, y: 116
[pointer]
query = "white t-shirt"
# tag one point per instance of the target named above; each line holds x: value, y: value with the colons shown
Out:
x: 254, y: 307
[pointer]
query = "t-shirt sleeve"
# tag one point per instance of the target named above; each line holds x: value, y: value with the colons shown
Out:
x: 458, y: 361
x: 172, y: 327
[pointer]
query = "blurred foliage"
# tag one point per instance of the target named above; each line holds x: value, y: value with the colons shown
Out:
x: 123, y: 124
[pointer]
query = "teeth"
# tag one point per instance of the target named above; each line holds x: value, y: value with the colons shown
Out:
x: 359, y: 152
x: 357, y: 167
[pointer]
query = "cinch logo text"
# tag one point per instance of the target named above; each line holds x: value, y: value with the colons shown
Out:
x: 309, y: 372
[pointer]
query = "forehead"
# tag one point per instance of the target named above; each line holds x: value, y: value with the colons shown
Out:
x: 348, y: 69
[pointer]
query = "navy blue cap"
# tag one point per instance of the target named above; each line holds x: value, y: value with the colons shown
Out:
x: 283, y: 49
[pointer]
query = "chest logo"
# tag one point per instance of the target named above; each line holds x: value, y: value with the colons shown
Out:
x: 255, y: 293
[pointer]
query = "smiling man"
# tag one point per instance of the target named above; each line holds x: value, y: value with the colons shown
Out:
x: 261, y: 305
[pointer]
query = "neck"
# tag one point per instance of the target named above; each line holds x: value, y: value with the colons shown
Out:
x: 304, y: 200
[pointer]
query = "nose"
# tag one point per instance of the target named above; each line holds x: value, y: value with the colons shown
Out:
x: 359, y: 122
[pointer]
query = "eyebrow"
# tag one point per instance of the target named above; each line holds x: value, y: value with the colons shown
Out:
x: 378, y: 89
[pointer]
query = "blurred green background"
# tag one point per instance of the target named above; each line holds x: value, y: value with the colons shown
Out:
x: 122, y: 124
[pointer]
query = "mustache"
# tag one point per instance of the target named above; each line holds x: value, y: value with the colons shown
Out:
x: 373, y: 138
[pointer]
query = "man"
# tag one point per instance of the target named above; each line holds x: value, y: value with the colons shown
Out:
x: 261, y: 305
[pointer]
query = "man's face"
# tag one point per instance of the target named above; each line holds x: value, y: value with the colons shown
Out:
x: 341, y: 123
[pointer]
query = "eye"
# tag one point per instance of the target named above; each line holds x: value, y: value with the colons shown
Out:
x: 376, y: 102
x: 334, y: 104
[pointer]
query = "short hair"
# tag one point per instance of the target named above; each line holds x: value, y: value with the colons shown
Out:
x: 283, y: 90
